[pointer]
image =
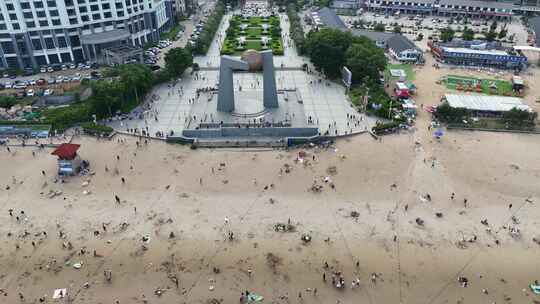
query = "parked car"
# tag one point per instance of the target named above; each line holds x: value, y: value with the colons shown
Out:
x: 72, y: 66
x: 32, y: 82
x: 8, y: 85
x: 51, y: 81
x: 76, y: 77
x: 30, y: 93
x: 41, y: 82
x: 50, y: 70
x: 20, y: 85
x: 43, y: 69
x: 48, y: 92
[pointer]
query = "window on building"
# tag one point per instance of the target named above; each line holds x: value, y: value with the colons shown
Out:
x: 43, y: 23
x: 68, y: 2
x: 120, y: 14
x: 38, y: 4
x: 80, y: 1
x: 94, y: 8
x: 3, y: 26
x: 25, y: 5
x: 16, y: 26
x: 36, y: 44
x: 51, y: 3
x: 85, y: 18
x: 30, y: 24
x: 82, y: 9
x: 53, y: 13
x: 46, y: 32
x: 13, y: 17
x: 118, y: 5
x: 74, y: 40
x: 56, y: 22
x: 105, y: 6
x: 96, y: 16
x: 73, y: 21
x: 28, y: 15
x: 41, y: 14
x: 71, y: 12
x: 8, y: 47
x: 49, y: 43
x: 62, y: 43
x: 107, y: 15
x: 10, y: 7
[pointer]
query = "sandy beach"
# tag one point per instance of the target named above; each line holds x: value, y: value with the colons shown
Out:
x: 363, y: 222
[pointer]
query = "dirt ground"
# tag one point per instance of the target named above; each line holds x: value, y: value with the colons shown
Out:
x: 366, y: 224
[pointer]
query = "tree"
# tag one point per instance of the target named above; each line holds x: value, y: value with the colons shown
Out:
x: 177, y: 60
x: 448, y: 114
x: 503, y: 32
x: 491, y: 35
x: 447, y: 34
x: 365, y: 60
x: 397, y: 29
x: 137, y: 79
x: 379, y: 27
x: 493, y: 26
x: 326, y: 48
x: 468, y: 34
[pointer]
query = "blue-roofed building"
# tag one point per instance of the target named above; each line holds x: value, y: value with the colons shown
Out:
x: 478, y: 55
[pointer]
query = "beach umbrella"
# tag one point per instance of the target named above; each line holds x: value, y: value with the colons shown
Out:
x: 439, y: 133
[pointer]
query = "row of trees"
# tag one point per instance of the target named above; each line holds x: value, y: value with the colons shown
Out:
x: 123, y: 89
x: 447, y: 34
x: 331, y: 49
x: 296, y: 30
x: 210, y: 28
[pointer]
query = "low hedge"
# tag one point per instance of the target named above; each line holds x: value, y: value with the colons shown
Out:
x: 95, y: 129
x: 385, y: 127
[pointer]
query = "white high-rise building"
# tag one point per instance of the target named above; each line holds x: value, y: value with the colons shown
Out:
x: 42, y: 32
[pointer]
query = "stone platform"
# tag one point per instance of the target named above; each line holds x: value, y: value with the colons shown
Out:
x: 249, y: 117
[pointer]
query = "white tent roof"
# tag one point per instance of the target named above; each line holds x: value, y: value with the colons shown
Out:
x: 486, y: 103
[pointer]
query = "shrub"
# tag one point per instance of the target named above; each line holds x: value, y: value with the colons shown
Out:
x: 95, y: 129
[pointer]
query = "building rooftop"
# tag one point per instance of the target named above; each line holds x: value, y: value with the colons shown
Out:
x: 66, y: 151
x: 473, y: 51
x: 373, y: 35
x: 400, y: 43
x: 104, y: 37
x: 330, y: 19
x: 486, y: 103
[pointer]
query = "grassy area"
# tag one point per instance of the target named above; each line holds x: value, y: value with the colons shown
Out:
x: 171, y: 34
x: 253, y: 44
x: 405, y: 67
x: 478, y: 85
x: 492, y: 124
x: 254, y: 32
x: 253, y: 35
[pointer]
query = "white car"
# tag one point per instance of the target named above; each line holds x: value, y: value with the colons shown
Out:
x: 32, y: 82
x: 8, y: 85
x: 48, y: 92
x: 50, y: 70
x: 72, y: 66
x: 59, y: 79
x: 43, y: 70
x: 30, y: 93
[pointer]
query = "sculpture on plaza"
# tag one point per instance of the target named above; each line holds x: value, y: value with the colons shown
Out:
x: 251, y: 60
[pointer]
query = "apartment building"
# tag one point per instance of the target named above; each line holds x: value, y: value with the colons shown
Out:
x: 43, y: 32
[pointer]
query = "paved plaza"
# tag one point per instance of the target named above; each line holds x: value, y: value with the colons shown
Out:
x: 324, y: 101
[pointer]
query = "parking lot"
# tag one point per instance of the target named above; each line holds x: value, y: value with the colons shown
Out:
x: 430, y: 26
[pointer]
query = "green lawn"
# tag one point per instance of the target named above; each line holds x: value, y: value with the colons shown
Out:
x: 405, y: 67
x: 469, y: 84
x: 253, y: 35
x: 254, y: 32
x: 253, y: 44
